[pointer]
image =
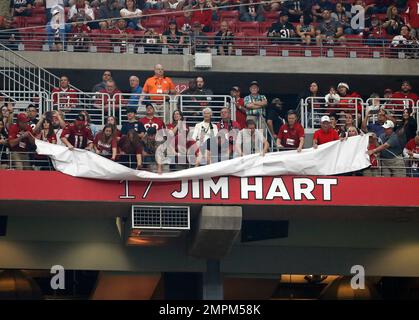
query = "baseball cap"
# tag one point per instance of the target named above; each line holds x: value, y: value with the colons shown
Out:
x: 55, y: 11
x: 236, y: 88
x: 343, y: 84
x: 388, y: 124
x: 22, y: 117
x: 151, y: 130
x: 254, y: 83
x: 148, y: 104
x: 325, y: 119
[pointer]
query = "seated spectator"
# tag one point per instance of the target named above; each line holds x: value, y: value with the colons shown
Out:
x: 204, y: 135
x: 185, y: 23
x: 105, y: 143
x: 130, y: 150
x: 81, y: 10
x: 305, y: 30
x: 46, y: 134
x: 121, y: 36
x: 394, y: 21
x: 153, y: 4
x: 405, y: 43
x: 291, y: 134
x: 373, y: 31
x: 411, y: 152
x: 325, y: 133
x: 107, y: 75
x: 224, y: 40
x: 133, y: 123
x: 271, y: 6
x: 202, y: 14
x: 282, y: 30
x: 255, y: 103
x: 112, y: 121
x: 329, y: 31
x: 79, y: 37
x: 9, y: 36
x: 319, y: 7
x: 240, y: 108
x: 342, y: 17
x: 21, y: 8
x: 295, y: 9
x: 227, y: 133
x: 274, y: 118
x: 136, y: 90
x: 132, y: 14
x: 78, y: 135
x: 21, y: 142
x: 111, y: 91
x: 151, y: 41
x: 173, y: 4
x: 56, y: 29
x: 373, y: 170
x: 64, y: 97
x: 251, y: 140
x: 110, y: 9
x: 404, y: 93
x: 367, y: 9
x: 199, y: 40
x: 150, y: 120
x: 390, y: 151
x: 173, y: 39
x: 252, y: 11
x: 334, y: 121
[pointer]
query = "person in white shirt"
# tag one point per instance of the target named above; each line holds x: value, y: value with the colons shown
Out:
x: 133, y: 13
x: 81, y: 9
x: 251, y: 141
x: 205, y: 134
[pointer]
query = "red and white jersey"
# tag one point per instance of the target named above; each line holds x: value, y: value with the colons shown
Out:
x: 412, y: 13
x: 404, y: 104
x: 42, y: 136
x: 66, y: 98
x: 16, y: 132
x: 412, y: 146
x: 105, y: 148
x: 79, y: 138
x: 350, y: 101
x: 153, y: 122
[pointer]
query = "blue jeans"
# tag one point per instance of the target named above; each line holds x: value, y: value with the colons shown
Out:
x: 54, y: 35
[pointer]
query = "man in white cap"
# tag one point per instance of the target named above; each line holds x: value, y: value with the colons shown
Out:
x: 325, y: 134
x: 349, y: 100
x: 390, y: 150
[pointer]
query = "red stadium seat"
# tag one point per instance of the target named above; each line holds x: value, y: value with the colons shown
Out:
x: 224, y: 14
x: 36, y: 21
x: 231, y: 25
x: 249, y: 28
x: 38, y: 11
x: 271, y: 16
x: 264, y: 27
x: 19, y: 22
x: 157, y: 23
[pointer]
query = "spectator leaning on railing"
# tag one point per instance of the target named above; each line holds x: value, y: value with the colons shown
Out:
x: 105, y: 143
x: 325, y: 133
x: 390, y: 152
x: 291, y: 134
x: 159, y: 84
x: 21, y: 142
x: 251, y: 140
x: 78, y: 135
x: 411, y: 152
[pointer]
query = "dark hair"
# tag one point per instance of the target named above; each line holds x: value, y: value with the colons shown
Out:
x: 250, y: 122
x: 86, y: 115
x: 51, y: 128
x: 31, y: 106
x: 173, y: 115
x: 334, y: 115
x: 130, y: 145
x: 292, y: 111
x: 104, y: 139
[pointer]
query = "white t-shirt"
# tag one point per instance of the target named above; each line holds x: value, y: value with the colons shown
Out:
x: 53, y: 3
x: 203, y: 131
x: 87, y: 10
x: 126, y: 13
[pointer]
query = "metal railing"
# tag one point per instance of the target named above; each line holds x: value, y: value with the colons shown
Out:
x: 245, y: 42
x: 394, y: 105
x: 22, y: 99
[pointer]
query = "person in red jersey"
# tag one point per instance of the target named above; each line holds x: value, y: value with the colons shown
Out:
x: 77, y: 135
x: 110, y: 91
x: 203, y: 14
x: 349, y: 100
x: 411, y: 151
x: 412, y: 15
x: 373, y: 170
x: 64, y: 97
x: 227, y: 134
x: 46, y: 134
x: 105, y: 143
x: 240, y: 109
x: 21, y: 141
x: 291, y: 134
x: 150, y: 120
x: 404, y: 93
x: 325, y: 133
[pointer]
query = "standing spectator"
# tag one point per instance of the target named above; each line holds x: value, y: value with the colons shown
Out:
x: 21, y: 8
x: 204, y: 135
x: 81, y: 9
x: 105, y: 143
x: 240, y: 108
x: 150, y: 120
x: 78, y: 135
x: 173, y: 39
x: 112, y: 121
x: 250, y: 10
x: 133, y: 123
x: 132, y: 14
x: 224, y: 40
x: 377, y: 126
x: 349, y: 100
x: 325, y: 133
x: 131, y: 149
x: 390, y: 151
x: 58, y: 123
x: 349, y: 122
x: 32, y: 114
x: 342, y: 17
x: 110, y: 91
x: 7, y: 115
x: 305, y: 30
x: 64, y: 97
x: 159, y: 84
x: 295, y: 9
x: 4, y: 143
x: 255, y: 103
x: 282, y: 30
x: 291, y: 134
x: 329, y: 30
x: 394, y: 21
x: 406, y: 130
x: 334, y: 121
x: 46, y: 134
x: 227, y: 133
x: 202, y: 90
x: 411, y: 152
x: 412, y: 15
x: 202, y: 14
x: 251, y: 141
x: 332, y: 99
x: 373, y: 170
x: 405, y: 93
x: 152, y: 158
x: 274, y: 117
x: 184, y: 23
x: 21, y: 142
x: 50, y: 4
x: 136, y: 90
x: 109, y: 9
x: 107, y: 75
x: 56, y: 29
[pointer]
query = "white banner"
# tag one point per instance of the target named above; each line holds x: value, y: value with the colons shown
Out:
x: 328, y: 159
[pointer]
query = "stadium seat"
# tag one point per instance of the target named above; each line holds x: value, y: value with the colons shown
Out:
x: 227, y: 14
x: 271, y: 16
x: 264, y: 27
x: 157, y: 23
x: 249, y: 28
x: 231, y: 25
x: 19, y: 22
x: 36, y: 21
x: 38, y: 11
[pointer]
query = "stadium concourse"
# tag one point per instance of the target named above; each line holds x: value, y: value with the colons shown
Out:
x: 283, y: 182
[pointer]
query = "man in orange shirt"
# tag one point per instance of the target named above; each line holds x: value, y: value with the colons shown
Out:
x: 158, y: 84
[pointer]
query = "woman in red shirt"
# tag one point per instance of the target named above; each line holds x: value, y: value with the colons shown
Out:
x: 105, y: 143
x: 46, y: 134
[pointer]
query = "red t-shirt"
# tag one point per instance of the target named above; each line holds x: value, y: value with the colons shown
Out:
x: 105, y: 149
x: 400, y: 105
x: 51, y: 139
x: 290, y: 137
x: 15, y: 132
x: 202, y: 16
x: 66, y: 98
x: 350, y: 101
x: 413, y: 13
x: 412, y: 146
x: 324, y: 137
x: 240, y: 114
x: 79, y: 138
x: 103, y: 99
x: 373, y: 158
x: 128, y: 148
x: 153, y: 122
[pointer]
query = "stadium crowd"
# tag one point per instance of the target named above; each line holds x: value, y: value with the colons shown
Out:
x: 149, y: 143
x: 206, y: 24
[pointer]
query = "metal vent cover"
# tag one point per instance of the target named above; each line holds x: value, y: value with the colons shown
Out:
x: 161, y: 217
